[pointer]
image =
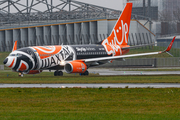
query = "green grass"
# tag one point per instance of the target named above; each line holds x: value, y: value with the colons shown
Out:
x: 3, y: 55
x: 89, y: 104
x: 47, y: 77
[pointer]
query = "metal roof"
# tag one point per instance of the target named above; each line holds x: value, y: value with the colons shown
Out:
x: 39, y: 11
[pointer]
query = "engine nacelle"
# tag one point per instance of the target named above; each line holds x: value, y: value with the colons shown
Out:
x: 75, y: 67
x: 34, y: 72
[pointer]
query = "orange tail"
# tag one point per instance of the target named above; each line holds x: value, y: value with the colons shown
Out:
x: 15, y: 46
x: 119, y: 34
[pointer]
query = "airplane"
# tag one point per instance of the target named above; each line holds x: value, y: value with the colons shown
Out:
x: 77, y: 58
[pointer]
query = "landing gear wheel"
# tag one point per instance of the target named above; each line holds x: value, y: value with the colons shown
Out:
x: 55, y: 73
x: 58, y: 73
x: 85, y: 73
x: 21, y: 75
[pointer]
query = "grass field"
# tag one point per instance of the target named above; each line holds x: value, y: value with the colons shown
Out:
x: 89, y: 104
x: 3, y: 55
x: 47, y: 77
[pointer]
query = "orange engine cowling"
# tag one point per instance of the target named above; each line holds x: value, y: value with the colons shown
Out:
x: 34, y: 72
x: 75, y: 67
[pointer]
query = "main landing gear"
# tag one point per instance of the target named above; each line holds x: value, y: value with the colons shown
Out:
x: 58, y: 73
x: 86, y: 73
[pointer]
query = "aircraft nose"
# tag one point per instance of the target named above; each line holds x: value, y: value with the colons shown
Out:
x: 5, y: 61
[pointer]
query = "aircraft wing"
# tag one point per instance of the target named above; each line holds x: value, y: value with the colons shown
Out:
x: 132, y: 55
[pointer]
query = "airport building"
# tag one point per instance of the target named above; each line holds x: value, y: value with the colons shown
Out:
x: 152, y: 8
x: 66, y: 22
x: 164, y: 15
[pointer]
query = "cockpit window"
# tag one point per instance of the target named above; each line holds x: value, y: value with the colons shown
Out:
x: 17, y: 55
x: 12, y: 55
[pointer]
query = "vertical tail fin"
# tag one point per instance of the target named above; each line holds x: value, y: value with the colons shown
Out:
x: 120, y: 32
x: 15, y: 46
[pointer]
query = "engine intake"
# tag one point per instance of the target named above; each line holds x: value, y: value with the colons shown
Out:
x: 75, y: 67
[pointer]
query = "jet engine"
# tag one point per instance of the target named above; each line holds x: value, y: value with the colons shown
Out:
x: 75, y: 67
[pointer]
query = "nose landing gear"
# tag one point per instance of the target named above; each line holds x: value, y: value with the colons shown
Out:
x: 58, y: 73
x: 21, y: 75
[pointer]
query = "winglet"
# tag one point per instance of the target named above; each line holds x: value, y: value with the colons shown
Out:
x: 15, y: 46
x: 170, y: 45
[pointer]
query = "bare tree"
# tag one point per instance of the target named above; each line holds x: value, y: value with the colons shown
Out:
x: 165, y: 16
x: 176, y: 14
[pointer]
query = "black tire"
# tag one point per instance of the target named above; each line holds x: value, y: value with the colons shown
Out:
x: 86, y: 73
x: 60, y: 73
x: 56, y: 73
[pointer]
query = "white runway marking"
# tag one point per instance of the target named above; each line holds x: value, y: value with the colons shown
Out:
x: 119, y: 85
